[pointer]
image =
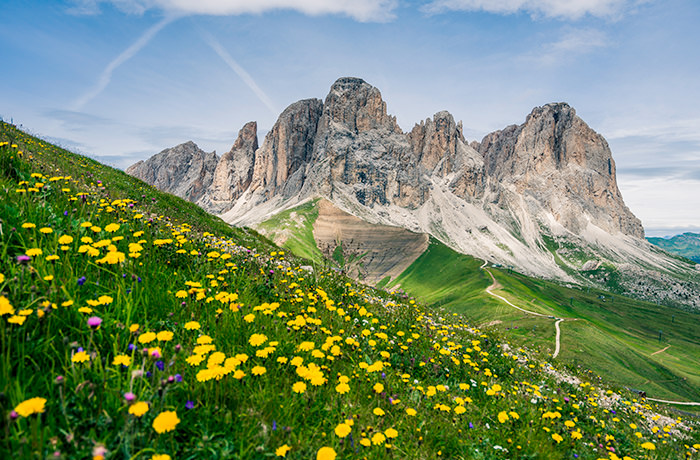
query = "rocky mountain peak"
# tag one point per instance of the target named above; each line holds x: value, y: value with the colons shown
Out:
x: 247, y: 137
x: 288, y: 147
x: 234, y: 171
x: 357, y: 106
x: 184, y: 170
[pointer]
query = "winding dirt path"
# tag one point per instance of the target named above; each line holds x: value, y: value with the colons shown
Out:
x: 557, y: 346
x: 683, y: 403
x: 495, y: 285
x: 660, y: 351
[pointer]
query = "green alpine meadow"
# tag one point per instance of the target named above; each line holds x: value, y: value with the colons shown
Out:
x: 135, y: 325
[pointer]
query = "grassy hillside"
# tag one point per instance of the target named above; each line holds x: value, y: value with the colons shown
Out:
x: 613, y: 335
x: 129, y: 333
x: 686, y: 245
x: 294, y: 229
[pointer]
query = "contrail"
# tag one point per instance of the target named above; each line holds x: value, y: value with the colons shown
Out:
x: 240, y: 71
x: 127, y: 54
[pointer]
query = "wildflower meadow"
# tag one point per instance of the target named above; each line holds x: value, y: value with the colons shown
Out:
x: 135, y: 326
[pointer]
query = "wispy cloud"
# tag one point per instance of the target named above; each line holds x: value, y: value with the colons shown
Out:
x: 561, y: 9
x: 106, y: 75
x: 573, y: 43
x: 240, y: 71
x: 360, y: 10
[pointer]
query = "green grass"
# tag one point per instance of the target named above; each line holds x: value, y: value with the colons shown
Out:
x: 298, y: 225
x: 612, y: 335
x: 202, y: 323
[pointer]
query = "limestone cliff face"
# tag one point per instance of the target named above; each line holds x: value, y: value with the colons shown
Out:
x: 233, y: 173
x: 361, y: 149
x: 441, y: 150
x: 184, y: 170
x: 280, y: 162
x: 497, y: 199
x: 557, y: 162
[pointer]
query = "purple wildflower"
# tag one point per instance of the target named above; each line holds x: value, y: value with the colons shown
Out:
x: 189, y: 405
x: 81, y: 280
x: 23, y: 259
x: 94, y: 322
x: 160, y: 365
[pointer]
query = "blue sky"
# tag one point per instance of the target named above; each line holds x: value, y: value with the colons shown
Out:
x: 122, y: 79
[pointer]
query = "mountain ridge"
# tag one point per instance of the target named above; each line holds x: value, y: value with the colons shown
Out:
x: 519, y: 197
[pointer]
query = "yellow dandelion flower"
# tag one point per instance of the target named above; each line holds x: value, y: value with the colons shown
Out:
x: 502, y: 417
x: 80, y: 357
x: 16, y: 319
x: 31, y: 406
x: 5, y: 307
x: 165, y: 421
x: 124, y: 360
x: 258, y: 370
x: 378, y: 412
x: 411, y: 412
x: 34, y: 252
x: 257, y: 339
x: 378, y: 439
x: 299, y: 387
x: 192, y: 326
x: 46, y: 230
x: 147, y: 337
x: 576, y: 435
x: 648, y: 446
x: 378, y: 388
x: 161, y: 457
x: 195, y: 360
x: 65, y: 239
x: 342, y: 388
x: 111, y: 228
x: 282, y: 450
x: 391, y: 433
x: 342, y: 430
x: 28, y: 225
x: 326, y: 453
x: 164, y: 336
x: 249, y: 318
x: 138, y: 409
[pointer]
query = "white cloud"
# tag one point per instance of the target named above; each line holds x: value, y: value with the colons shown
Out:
x: 573, y: 43
x: 360, y: 10
x: 561, y: 9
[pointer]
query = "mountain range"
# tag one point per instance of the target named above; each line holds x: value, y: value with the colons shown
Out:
x: 540, y: 196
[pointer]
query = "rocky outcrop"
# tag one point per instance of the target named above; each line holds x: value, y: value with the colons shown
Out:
x: 233, y: 173
x: 280, y: 162
x: 557, y: 162
x: 184, y: 170
x: 361, y: 151
x: 441, y: 150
